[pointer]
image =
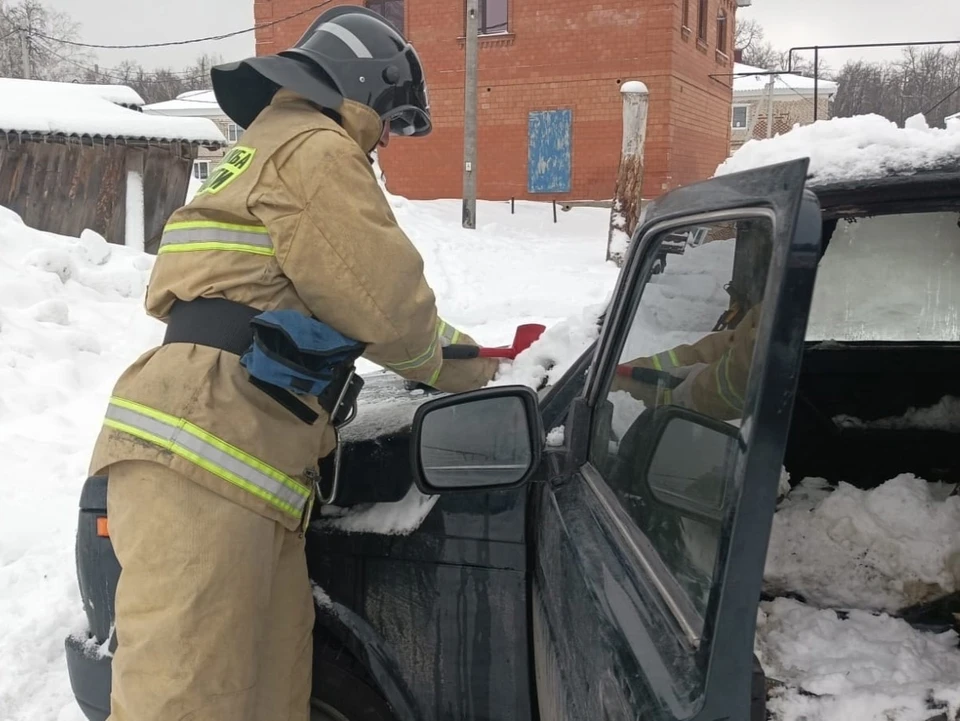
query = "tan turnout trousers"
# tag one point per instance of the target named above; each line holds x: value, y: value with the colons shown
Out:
x: 214, y: 611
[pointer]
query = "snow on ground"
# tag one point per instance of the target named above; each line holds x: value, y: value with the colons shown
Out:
x: 71, y: 320
x: 849, y: 148
x: 882, y: 549
x: 864, y: 667
x: 944, y: 415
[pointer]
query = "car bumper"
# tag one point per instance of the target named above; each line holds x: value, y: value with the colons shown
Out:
x: 90, y: 679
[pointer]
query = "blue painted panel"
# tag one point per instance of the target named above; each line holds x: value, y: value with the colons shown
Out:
x: 548, y: 151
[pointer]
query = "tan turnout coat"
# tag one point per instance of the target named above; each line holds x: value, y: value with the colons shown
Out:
x: 292, y: 218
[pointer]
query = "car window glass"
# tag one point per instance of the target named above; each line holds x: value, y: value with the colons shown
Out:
x: 890, y: 278
x: 688, y: 351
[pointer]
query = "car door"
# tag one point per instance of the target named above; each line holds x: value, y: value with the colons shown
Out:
x: 651, y: 531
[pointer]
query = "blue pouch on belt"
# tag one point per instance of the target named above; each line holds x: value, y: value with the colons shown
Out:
x: 299, y: 353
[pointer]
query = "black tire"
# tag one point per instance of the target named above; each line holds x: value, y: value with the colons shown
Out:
x: 342, y: 688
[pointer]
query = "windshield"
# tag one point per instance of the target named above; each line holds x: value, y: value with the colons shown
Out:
x: 890, y: 278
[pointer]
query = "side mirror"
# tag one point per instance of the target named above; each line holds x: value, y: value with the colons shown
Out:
x: 485, y: 439
x: 690, y: 465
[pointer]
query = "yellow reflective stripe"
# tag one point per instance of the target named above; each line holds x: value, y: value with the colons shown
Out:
x: 414, y: 363
x: 209, y: 452
x: 213, y: 245
x: 725, y: 386
x: 665, y: 361
x: 447, y: 334
x: 193, y: 235
x: 434, y: 376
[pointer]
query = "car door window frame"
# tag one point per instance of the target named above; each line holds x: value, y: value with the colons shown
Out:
x: 622, y: 315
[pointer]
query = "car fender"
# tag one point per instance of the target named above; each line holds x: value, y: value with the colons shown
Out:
x: 366, y: 645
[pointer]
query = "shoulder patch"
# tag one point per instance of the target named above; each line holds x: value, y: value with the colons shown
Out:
x: 229, y: 169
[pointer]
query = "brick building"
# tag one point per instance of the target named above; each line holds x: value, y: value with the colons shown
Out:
x: 541, y: 56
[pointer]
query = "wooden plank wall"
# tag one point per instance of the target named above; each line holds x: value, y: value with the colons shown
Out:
x: 66, y: 187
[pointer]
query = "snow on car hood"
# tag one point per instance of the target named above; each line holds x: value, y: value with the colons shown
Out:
x: 845, y: 149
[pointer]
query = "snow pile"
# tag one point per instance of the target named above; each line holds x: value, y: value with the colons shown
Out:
x: 71, y: 320
x: 884, y: 549
x: 843, y: 149
x: 73, y: 109
x: 942, y: 416
x: 865, y: 667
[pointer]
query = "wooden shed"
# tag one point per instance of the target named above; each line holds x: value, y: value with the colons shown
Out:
x: 77, y: 156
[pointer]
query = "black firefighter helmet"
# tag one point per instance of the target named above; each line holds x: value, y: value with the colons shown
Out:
x: 348, y: 53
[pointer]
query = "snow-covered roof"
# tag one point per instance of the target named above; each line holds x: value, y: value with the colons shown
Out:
x: 954, y: 118
x: 857, y: 148
x: 191, y: 104
x: 784, y: 83
x: 71, y: 109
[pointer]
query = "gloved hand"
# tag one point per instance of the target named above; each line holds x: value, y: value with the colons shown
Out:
x: 682, y: 395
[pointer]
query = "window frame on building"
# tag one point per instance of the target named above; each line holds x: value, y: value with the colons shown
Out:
x: 685, y: 16
x: 483, y: 27
x: 746, y: 116
x: 722, y: 31
x: 233, y: 132
x: 702, y: 20
x: 201, y: 169
x: 380, y: 7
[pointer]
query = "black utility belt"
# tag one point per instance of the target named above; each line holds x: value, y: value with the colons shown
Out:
x: 286, y: 353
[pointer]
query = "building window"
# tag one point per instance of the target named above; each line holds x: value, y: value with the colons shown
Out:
x: 392, y: 10
x: 686, y: 14
x: 493, y: 17
x: 740, y: 117
x: 722, y: 32
x: 702, y: 21
x: 201, y: 169
x: 233, y: 132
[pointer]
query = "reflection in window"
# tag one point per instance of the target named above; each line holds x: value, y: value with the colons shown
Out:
x: 493, y: 17
x: 689, y: 347
x: 702, y: 20
x: 392, y: 10
x: 722, y: 31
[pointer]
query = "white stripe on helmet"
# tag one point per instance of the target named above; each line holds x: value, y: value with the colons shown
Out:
x: 348, y: 38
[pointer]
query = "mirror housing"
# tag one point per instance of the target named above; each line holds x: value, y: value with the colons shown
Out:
x: 488, y: 439
x: 696, y: 485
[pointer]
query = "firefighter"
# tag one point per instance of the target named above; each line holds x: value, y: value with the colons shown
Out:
x: 287, y: 266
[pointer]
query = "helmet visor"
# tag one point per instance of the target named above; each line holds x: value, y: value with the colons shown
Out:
x: 406, y: 106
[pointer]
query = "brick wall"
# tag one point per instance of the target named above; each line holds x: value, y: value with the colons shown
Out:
x: 559, y: 54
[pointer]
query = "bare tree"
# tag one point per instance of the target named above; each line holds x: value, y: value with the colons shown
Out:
x: 50, y: 58
x: 756, y: 51
x: 923, y: 81
x: 157, y: 85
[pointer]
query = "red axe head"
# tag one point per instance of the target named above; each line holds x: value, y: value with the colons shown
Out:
x: 526, y: 336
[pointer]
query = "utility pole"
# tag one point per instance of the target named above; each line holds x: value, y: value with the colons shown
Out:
x: 470, y: 120
x: 25, y: 52
x: 773, y: 80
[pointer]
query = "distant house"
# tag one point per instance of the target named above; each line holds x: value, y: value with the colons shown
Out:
x: 76, y: 156
x: 792, y: 102
x: 199, y: 104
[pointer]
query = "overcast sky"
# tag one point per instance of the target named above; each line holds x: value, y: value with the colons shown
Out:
x: 787, y: 23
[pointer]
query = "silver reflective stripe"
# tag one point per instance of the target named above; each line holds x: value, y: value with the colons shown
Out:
x: 349, y: 39
x: 448, y: 334
x: 177, y: 439
x: 215, y: 234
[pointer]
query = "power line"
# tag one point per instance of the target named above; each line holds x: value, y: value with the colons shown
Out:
x: 942, y: 100
x: 125, y: 80
x: 209, y: 38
